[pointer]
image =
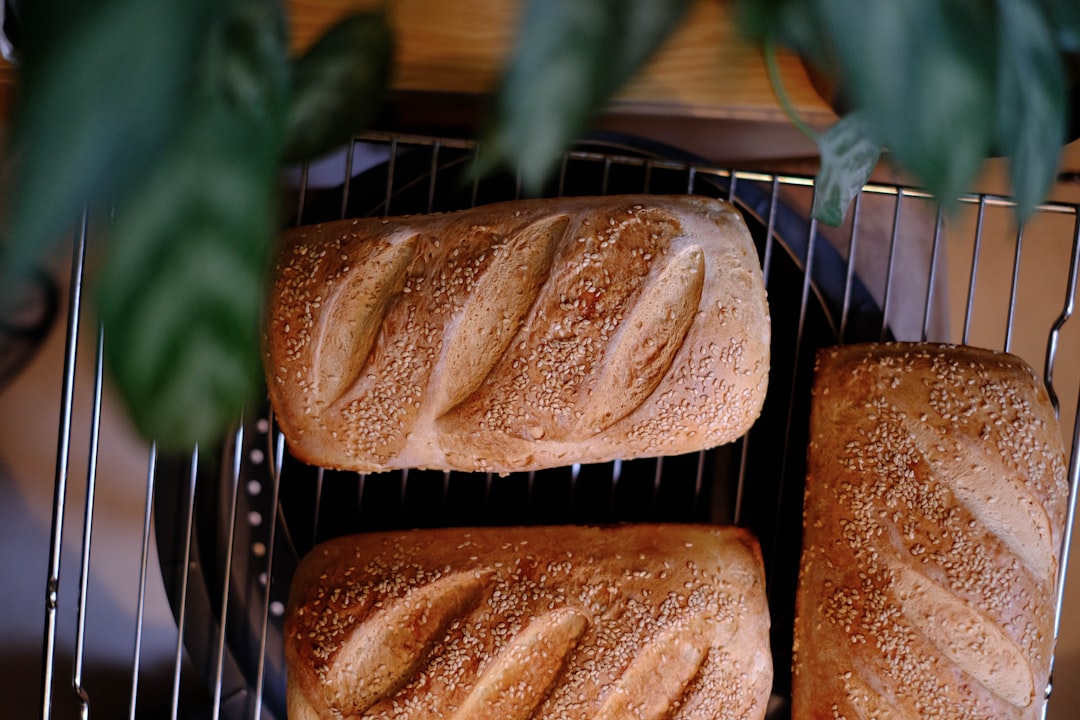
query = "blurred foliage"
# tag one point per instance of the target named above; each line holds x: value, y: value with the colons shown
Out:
x: 940, y: 85
x: 180, y: 295
x: 173, y: 118
x: 338, y: 85
x: 569, y: 58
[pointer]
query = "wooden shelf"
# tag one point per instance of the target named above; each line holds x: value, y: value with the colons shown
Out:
x: 704, y: 71
x: 706, y: 85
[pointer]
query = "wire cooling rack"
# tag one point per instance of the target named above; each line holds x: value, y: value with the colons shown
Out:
x: 223, y: 530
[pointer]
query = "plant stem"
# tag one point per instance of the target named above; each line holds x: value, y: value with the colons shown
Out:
x: 773, y: 67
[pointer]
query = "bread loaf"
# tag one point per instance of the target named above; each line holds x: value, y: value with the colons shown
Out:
x: 518, y: 336
x: 934, y: 509
x: 633, y: 621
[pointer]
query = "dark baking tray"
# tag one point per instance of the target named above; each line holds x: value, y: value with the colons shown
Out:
x: 232, y: 525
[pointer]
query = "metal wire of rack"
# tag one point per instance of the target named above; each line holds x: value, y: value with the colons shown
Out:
x: 224, y: 528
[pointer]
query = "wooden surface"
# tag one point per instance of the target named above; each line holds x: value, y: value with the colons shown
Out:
x: 454, y: 50
x: 458, y: 47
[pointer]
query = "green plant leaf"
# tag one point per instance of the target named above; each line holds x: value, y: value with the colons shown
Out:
x: 760, y: 20
x: 180, y: 294
x: 245, y: 60
x: 792, y: 23
x: 922, y: 73
x: 1031, y: 112
x: 569, y: 58
x: 848, y: 157
x: 100, y: 87
x: 181, y: 288
x: 847, y: 151
x: 1064, y: 18
x: 943, y: 84
x: 339, y: 85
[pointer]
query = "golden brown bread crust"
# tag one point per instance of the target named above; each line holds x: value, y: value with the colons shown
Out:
x: 934, y: 509
x: 519, y: 335
x: 645, y: 621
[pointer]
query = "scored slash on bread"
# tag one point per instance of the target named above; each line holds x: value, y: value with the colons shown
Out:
x: 518, y: 336
x: 638, y: 360
x: 495, y: 309
x: 630, y: 621
x: 515, y: 682
x: 345, y: 339
x: 383, y: 654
